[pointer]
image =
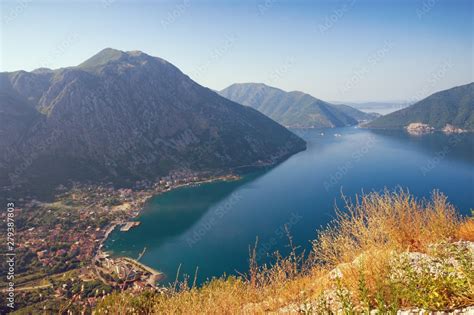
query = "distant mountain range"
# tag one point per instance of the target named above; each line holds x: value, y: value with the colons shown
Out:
x: 125, y: 116
x: 454, y: 106
x: 294, y: 109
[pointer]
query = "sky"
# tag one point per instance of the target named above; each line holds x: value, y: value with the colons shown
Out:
x: 351, y: 51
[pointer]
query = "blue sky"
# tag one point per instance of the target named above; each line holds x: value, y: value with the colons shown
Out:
x: 349, y: 50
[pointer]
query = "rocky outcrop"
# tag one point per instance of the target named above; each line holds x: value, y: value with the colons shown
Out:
x: 461, y: 311
x: 442, y: 265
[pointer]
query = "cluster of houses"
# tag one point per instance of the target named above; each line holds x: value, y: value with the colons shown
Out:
x: 70, y: 232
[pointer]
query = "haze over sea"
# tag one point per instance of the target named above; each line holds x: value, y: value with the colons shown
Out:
x: 212, y: 226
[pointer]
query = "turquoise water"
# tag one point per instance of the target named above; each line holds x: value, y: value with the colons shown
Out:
x: 212, y: 226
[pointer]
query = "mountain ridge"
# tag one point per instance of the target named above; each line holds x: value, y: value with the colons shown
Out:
x: 453, y: 106
x: 295, y: 108
x: 127, y: 115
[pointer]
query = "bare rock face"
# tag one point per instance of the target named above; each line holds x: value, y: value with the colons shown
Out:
x: 123, y: 116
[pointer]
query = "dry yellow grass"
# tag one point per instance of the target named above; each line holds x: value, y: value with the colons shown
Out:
x: 466, y: 230
x: 388, y: 221
x: 361, y: 243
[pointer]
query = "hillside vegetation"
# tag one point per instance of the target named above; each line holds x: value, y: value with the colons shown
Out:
x: 385, y: 251
x: 122, y: 117
x: 454, y: 106
x: 294, y: 109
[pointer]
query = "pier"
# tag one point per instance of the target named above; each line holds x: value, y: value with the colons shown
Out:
x: 128, y: 225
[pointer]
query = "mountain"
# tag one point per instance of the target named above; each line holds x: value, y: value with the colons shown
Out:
x: 454, y: 106
x: 122, y: 116
x: 293, y: 109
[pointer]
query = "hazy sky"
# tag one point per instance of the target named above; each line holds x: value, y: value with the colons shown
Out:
x: 350, y: 50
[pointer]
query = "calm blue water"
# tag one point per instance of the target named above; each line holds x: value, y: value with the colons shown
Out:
x: 211, y: 226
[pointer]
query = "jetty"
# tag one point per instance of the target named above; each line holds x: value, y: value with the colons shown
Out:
x: 154, y: 275
x: 128, y: 225
x: 142, y: 266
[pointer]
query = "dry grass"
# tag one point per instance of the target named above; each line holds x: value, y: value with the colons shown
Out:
x: 388, y: 221
x: 362, y: 243
x: 466, y: 230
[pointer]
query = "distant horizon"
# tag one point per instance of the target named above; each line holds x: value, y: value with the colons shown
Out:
x: 348, y: 102
x: 354, y: 51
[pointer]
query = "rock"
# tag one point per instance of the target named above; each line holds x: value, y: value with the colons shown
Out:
x: 468, y: 310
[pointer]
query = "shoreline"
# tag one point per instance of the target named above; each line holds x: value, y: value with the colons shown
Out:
x: 114, y: 224
x: 145, y: 267
x: 229, y: 176
x: 465, y: 131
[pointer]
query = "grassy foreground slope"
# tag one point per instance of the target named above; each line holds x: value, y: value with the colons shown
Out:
x: 384, y: 252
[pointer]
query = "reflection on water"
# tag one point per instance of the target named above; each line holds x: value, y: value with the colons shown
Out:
x: 170, y: 214
x: 457, y: 146
x: 211, y: 226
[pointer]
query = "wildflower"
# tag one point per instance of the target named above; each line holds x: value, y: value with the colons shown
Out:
x: 335, y: 274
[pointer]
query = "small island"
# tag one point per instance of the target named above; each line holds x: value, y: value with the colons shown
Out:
x: 419, y: 128
x: 450, y: 129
